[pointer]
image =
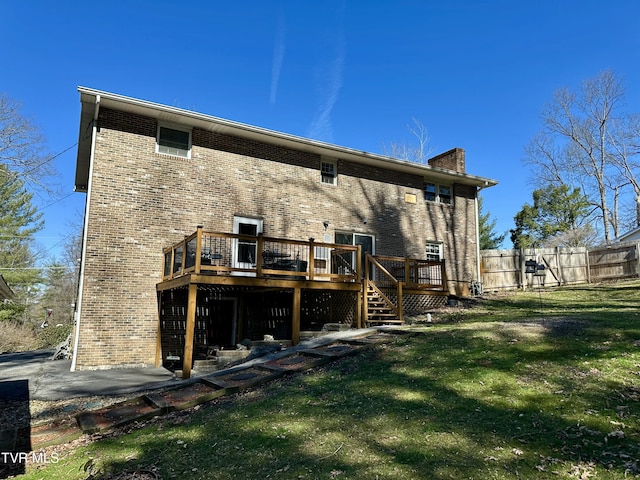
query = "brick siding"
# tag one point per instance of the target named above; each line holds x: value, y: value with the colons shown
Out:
x: 142, y: 201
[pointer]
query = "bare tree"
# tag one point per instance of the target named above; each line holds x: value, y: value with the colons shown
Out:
x: 577, y: 145
x: 22, y: 147
x: 414, y: 152
x: 61, y: 279
x: 626, y: 156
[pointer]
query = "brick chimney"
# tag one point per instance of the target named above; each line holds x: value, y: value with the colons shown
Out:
x: 451, y: 160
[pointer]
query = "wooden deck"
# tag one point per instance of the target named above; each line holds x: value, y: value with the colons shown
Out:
x: 206, y: 260
x: 237, y: 256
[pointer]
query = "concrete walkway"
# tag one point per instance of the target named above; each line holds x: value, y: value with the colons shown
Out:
x: 51, y: 380
x: 38, y: 377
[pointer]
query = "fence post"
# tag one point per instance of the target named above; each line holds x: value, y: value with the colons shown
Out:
x: 559, y: 265
x: 586, y: 257
x: 522, y: 274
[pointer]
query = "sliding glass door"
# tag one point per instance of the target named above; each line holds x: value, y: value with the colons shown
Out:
x: 366, y: 241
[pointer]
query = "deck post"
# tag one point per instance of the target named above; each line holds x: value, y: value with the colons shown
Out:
x: 295, y: 316
x: 400, y: 303
x: 445, y: 280
x: 407, y: 272
x: 363, y: 311
x: 359, y: 304
x: 198, y: 248
x: 187, y: 358
x: 312, y: 259
x: 159, y: 333
x: 259, y: 252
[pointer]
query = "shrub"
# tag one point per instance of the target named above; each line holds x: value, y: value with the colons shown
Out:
x: 11, y: 311
x: 51, y: 336
x: 15, y: 337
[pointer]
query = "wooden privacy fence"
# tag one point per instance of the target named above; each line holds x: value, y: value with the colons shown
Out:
x: 506, y: 269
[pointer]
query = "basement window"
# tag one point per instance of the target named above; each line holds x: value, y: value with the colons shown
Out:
x: 173, y: 141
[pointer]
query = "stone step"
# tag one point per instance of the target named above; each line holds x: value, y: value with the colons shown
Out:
x: 205, y: 363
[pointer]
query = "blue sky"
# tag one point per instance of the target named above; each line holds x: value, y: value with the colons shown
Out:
x: 353, y: 73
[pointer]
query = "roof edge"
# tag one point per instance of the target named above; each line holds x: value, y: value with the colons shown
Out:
x: 209, y: 122
x: 5, y: 289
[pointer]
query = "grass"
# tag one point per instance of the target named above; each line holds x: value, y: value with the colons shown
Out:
x: 527, y: 385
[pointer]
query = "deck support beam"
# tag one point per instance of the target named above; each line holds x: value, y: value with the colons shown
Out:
x: 295, y: 316
x: 187, y: 358
x: 158, y: 362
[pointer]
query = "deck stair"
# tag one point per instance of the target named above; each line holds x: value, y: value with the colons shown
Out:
x: 380, y: 311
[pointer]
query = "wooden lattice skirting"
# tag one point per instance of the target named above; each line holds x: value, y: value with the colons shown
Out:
x: 416, y: 304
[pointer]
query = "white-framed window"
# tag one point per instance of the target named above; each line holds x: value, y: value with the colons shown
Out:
x: 329, y: 172
x: 174, y: 141
x: 244, y: 251
x: 434, y: 251
x: 435, y: 192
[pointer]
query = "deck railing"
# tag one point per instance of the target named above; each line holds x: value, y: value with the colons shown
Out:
x: 390, y: 278
x: 415, y: 274
x: 216, y: 253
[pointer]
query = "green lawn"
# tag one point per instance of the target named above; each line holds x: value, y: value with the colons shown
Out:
x: 527, y: 385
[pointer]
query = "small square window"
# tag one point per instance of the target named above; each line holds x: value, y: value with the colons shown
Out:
x: 174, y: 142
x: 434, y: 251
x: 328, y: 172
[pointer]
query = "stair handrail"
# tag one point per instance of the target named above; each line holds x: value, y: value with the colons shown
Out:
x: 370, y: 260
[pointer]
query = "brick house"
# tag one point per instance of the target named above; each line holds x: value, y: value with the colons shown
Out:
x: 154, y: 174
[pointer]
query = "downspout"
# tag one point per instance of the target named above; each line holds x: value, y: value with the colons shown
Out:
x: 94, y: 134
x: 478, y: 270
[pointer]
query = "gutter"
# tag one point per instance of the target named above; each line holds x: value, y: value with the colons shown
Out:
x: 242, y: 130
x: 78, y: 315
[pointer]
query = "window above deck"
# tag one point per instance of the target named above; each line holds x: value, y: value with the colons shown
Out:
x: 437, y: 192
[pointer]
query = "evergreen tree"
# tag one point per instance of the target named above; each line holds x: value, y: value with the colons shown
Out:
x: 489, y: 238
x: 19, y: 221
x: 556, y: 213
x: 61, y: 281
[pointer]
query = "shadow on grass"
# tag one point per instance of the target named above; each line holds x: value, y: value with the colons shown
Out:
x: 452, y: 403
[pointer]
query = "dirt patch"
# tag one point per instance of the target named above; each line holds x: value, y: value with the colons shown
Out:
x: 529, y: 330
x: 557, y: 326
